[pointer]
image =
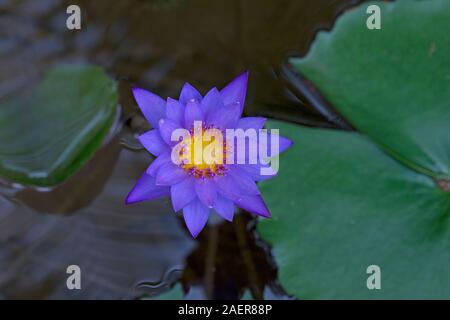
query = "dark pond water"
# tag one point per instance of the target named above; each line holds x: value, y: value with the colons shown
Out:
x: 142, y: 250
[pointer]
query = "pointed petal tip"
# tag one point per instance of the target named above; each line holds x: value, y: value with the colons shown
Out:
x: 243, y: 77
x: 152, y: 106
x: 289, y: 143
x: 266, y: 215
x: 254, y: 204
x: 194, y: 234
x: 176, y: 206
x: 263, y: 212
x: 195, y: 217
x: 136, y: 89
x: 145, y: 189
x: 188, y: 85
x: 130, y: 201
x: 188, y: 92
x: 194, y: 231
x: 127, y: 200
x: 224, y: 207
x: 243, y: 74
x: 235, y: 91
x: 229, y: 219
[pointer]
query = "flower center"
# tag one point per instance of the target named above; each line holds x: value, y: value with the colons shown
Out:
x: 203, y: 155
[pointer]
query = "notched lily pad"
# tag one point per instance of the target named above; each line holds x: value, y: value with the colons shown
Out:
x: 393, y: 83
x: 341, y: 204
x: 344, y: 201
x: 49, y: 134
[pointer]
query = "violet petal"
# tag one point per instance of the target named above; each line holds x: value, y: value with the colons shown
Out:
x: 254, y: 171
x: 146, y: 189
x: 251, y: 122
x: 152, y: 141
x: 166, y: 127
x: 253, y: 204
x: 170, y: 174
x: 195, y: 215
x: 285, y: 144
x: 188, y: 93
x: 182, y: 194
x: 224, y: 207
x: 158, y: 162
x: 206, y: 192
x: 175, y: 111
x: 227, y: 186
x: 151, y: 105
x: 225, y: 118
x: 212, y: 101
x: 192, y: 113
x: 235, y: 91
x: 246, y: 184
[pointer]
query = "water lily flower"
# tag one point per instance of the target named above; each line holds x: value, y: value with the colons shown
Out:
x: 200, y: 188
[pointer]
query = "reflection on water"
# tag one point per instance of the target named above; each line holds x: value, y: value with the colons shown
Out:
x: 158, y: 45
x: 115, y: 246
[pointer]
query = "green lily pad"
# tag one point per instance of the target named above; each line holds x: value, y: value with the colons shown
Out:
x: 344, y: 201
x: 393, y: 84
x: 345, y: 205
x: 49, y: 134
x: 247, y: 295
x: 175, y: 293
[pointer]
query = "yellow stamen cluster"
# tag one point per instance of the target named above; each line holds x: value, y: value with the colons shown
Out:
x: 203, y: 155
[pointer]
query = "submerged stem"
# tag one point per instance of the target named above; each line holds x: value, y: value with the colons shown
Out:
x: 210, y: 265
x: 246, y: 253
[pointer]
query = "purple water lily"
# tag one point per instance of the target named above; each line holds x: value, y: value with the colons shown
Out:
x: 199, y: 189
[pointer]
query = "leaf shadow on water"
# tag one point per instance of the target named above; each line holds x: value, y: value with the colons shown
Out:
x: 229, y: 261
x: 80, y: 190
x: 115, y: 246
